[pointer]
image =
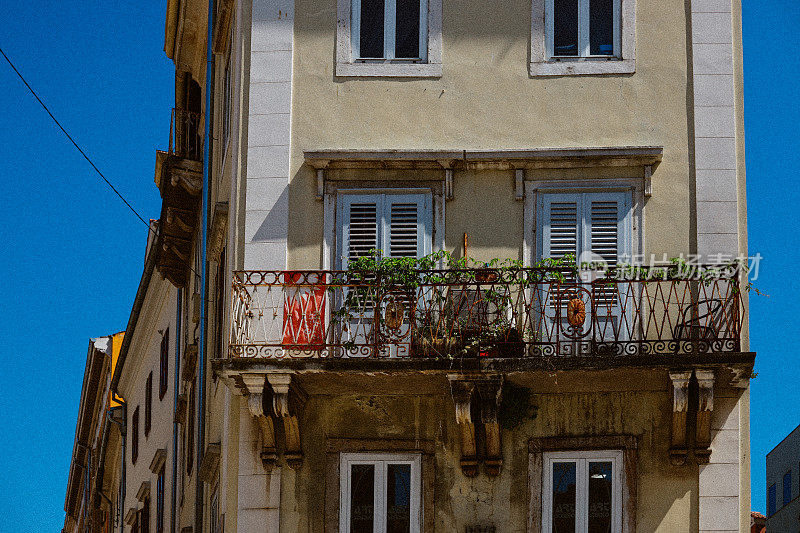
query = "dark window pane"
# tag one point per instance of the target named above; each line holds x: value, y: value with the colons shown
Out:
x: 565, y: 26
x: 362, y: 498
x: 406, y: 42
x: 787, y: 487
x: 600, y: 486
x: 371, y: 37
x: 601, y: 27
x: 563, y: 497
x: 771, y: 500
x: 398, y: 499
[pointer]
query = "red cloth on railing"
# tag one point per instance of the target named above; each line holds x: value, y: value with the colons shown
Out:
x: 303, y: 309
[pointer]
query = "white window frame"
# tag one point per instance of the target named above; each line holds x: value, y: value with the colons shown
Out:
x: 348, y: 62
x: 582, y: 459
x: 380, y: 461
x: 544, y: 63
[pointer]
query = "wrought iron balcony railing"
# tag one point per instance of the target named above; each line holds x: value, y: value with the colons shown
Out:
x: 533, y: 312
x: 185, y: 135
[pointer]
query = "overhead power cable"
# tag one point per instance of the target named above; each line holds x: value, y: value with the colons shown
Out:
x: 99, y: 173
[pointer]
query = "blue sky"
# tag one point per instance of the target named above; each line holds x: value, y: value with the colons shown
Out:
x: 74, y: 253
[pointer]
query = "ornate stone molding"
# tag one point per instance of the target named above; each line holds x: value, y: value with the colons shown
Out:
x: 288, y: 400
x: 462, y: 391
x: 678, y: 449
x: 705, y: 405
x: 482, y: 392
x: 255, y: 403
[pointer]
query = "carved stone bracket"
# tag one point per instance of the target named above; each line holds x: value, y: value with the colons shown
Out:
x: 705, y: 405
x: 678, y: 449
x: 288, y: 400
x: 255, y: 403
x: 480, y: 392
x: 462, y: 391
x: 489, y: 391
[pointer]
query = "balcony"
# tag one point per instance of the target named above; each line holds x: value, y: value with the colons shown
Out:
x: 179, y: 173
x: 532, y: 317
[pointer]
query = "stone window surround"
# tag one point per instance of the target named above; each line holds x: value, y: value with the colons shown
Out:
x: 335, y: 447
x: 536, y: 448
x: 541, y: 65
x: 345, y: 66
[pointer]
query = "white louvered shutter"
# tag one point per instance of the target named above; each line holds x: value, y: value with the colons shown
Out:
x: 606, y: 222
x: 560, y: 223
x: 407, y: 225
x: 399, y: 225
x: 360, y: 226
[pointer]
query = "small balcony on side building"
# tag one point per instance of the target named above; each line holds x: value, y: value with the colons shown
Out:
x: 179, y: 177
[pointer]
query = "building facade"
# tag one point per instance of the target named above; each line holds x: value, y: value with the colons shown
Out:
x: 783, y: 488
x: 372, y: 218
x: 92, y: 501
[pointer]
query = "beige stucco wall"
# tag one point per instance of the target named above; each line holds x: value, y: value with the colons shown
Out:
x: 485, y: 99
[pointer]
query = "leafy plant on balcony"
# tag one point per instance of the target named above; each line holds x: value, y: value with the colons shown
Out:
x: 460, y: 306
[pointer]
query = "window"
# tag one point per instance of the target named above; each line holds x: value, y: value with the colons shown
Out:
x: 163, y: 367
x: 227, y: 99
x: 582, y: 37
x: 594, y: 227
x: 135, y: 435
x: 389, y: 38
x: 148, y: 404
x: 379, y: 493
x: 772, y: 500
x: 582, y: 28
x: 787, y: 487
x: 582, y: 491
x: 397, y: 224
x: 144, y: 517
x: 160, y: 501
x: 190, y: 430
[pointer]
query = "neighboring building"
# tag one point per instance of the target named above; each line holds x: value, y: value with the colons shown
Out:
x: 312, y: 399
x: 783, y: 487
x: 92, y: 501
x: 758, y: 523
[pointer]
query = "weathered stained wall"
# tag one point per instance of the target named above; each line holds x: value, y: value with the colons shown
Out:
x: 565, y: 406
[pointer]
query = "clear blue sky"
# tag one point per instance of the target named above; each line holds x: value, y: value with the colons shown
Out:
x: 74, y: 253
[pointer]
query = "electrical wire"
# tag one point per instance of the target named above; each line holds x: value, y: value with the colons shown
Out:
x: 88, y: 159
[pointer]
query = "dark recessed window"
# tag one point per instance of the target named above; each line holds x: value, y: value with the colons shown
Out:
x: 583, y: 28
x: 135, y: 435
x: 148, y: 404
x: 163, y: 367
x: 390, y: 29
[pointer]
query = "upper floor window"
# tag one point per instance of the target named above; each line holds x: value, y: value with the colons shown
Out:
x: 389, y: 38
x: 787, y: 487
x: 582, y: 491
x: 135, y: 435
x: 583, y: 37
x: 772, y: 500
x: 583, y: 28
x: 163, y: 367
x: 379, y: 492
x: 148, y: 404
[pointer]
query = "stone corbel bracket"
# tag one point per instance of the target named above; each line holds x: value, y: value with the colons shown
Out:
x: 483, y: 392
x: 490, y: 391
x: 705, y: 405
x: 679, y: 449
x: 255, y: 402
x: 288, y: 399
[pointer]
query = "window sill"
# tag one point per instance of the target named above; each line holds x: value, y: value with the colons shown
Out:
x: 582, y: 68
x: 390, y: 70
